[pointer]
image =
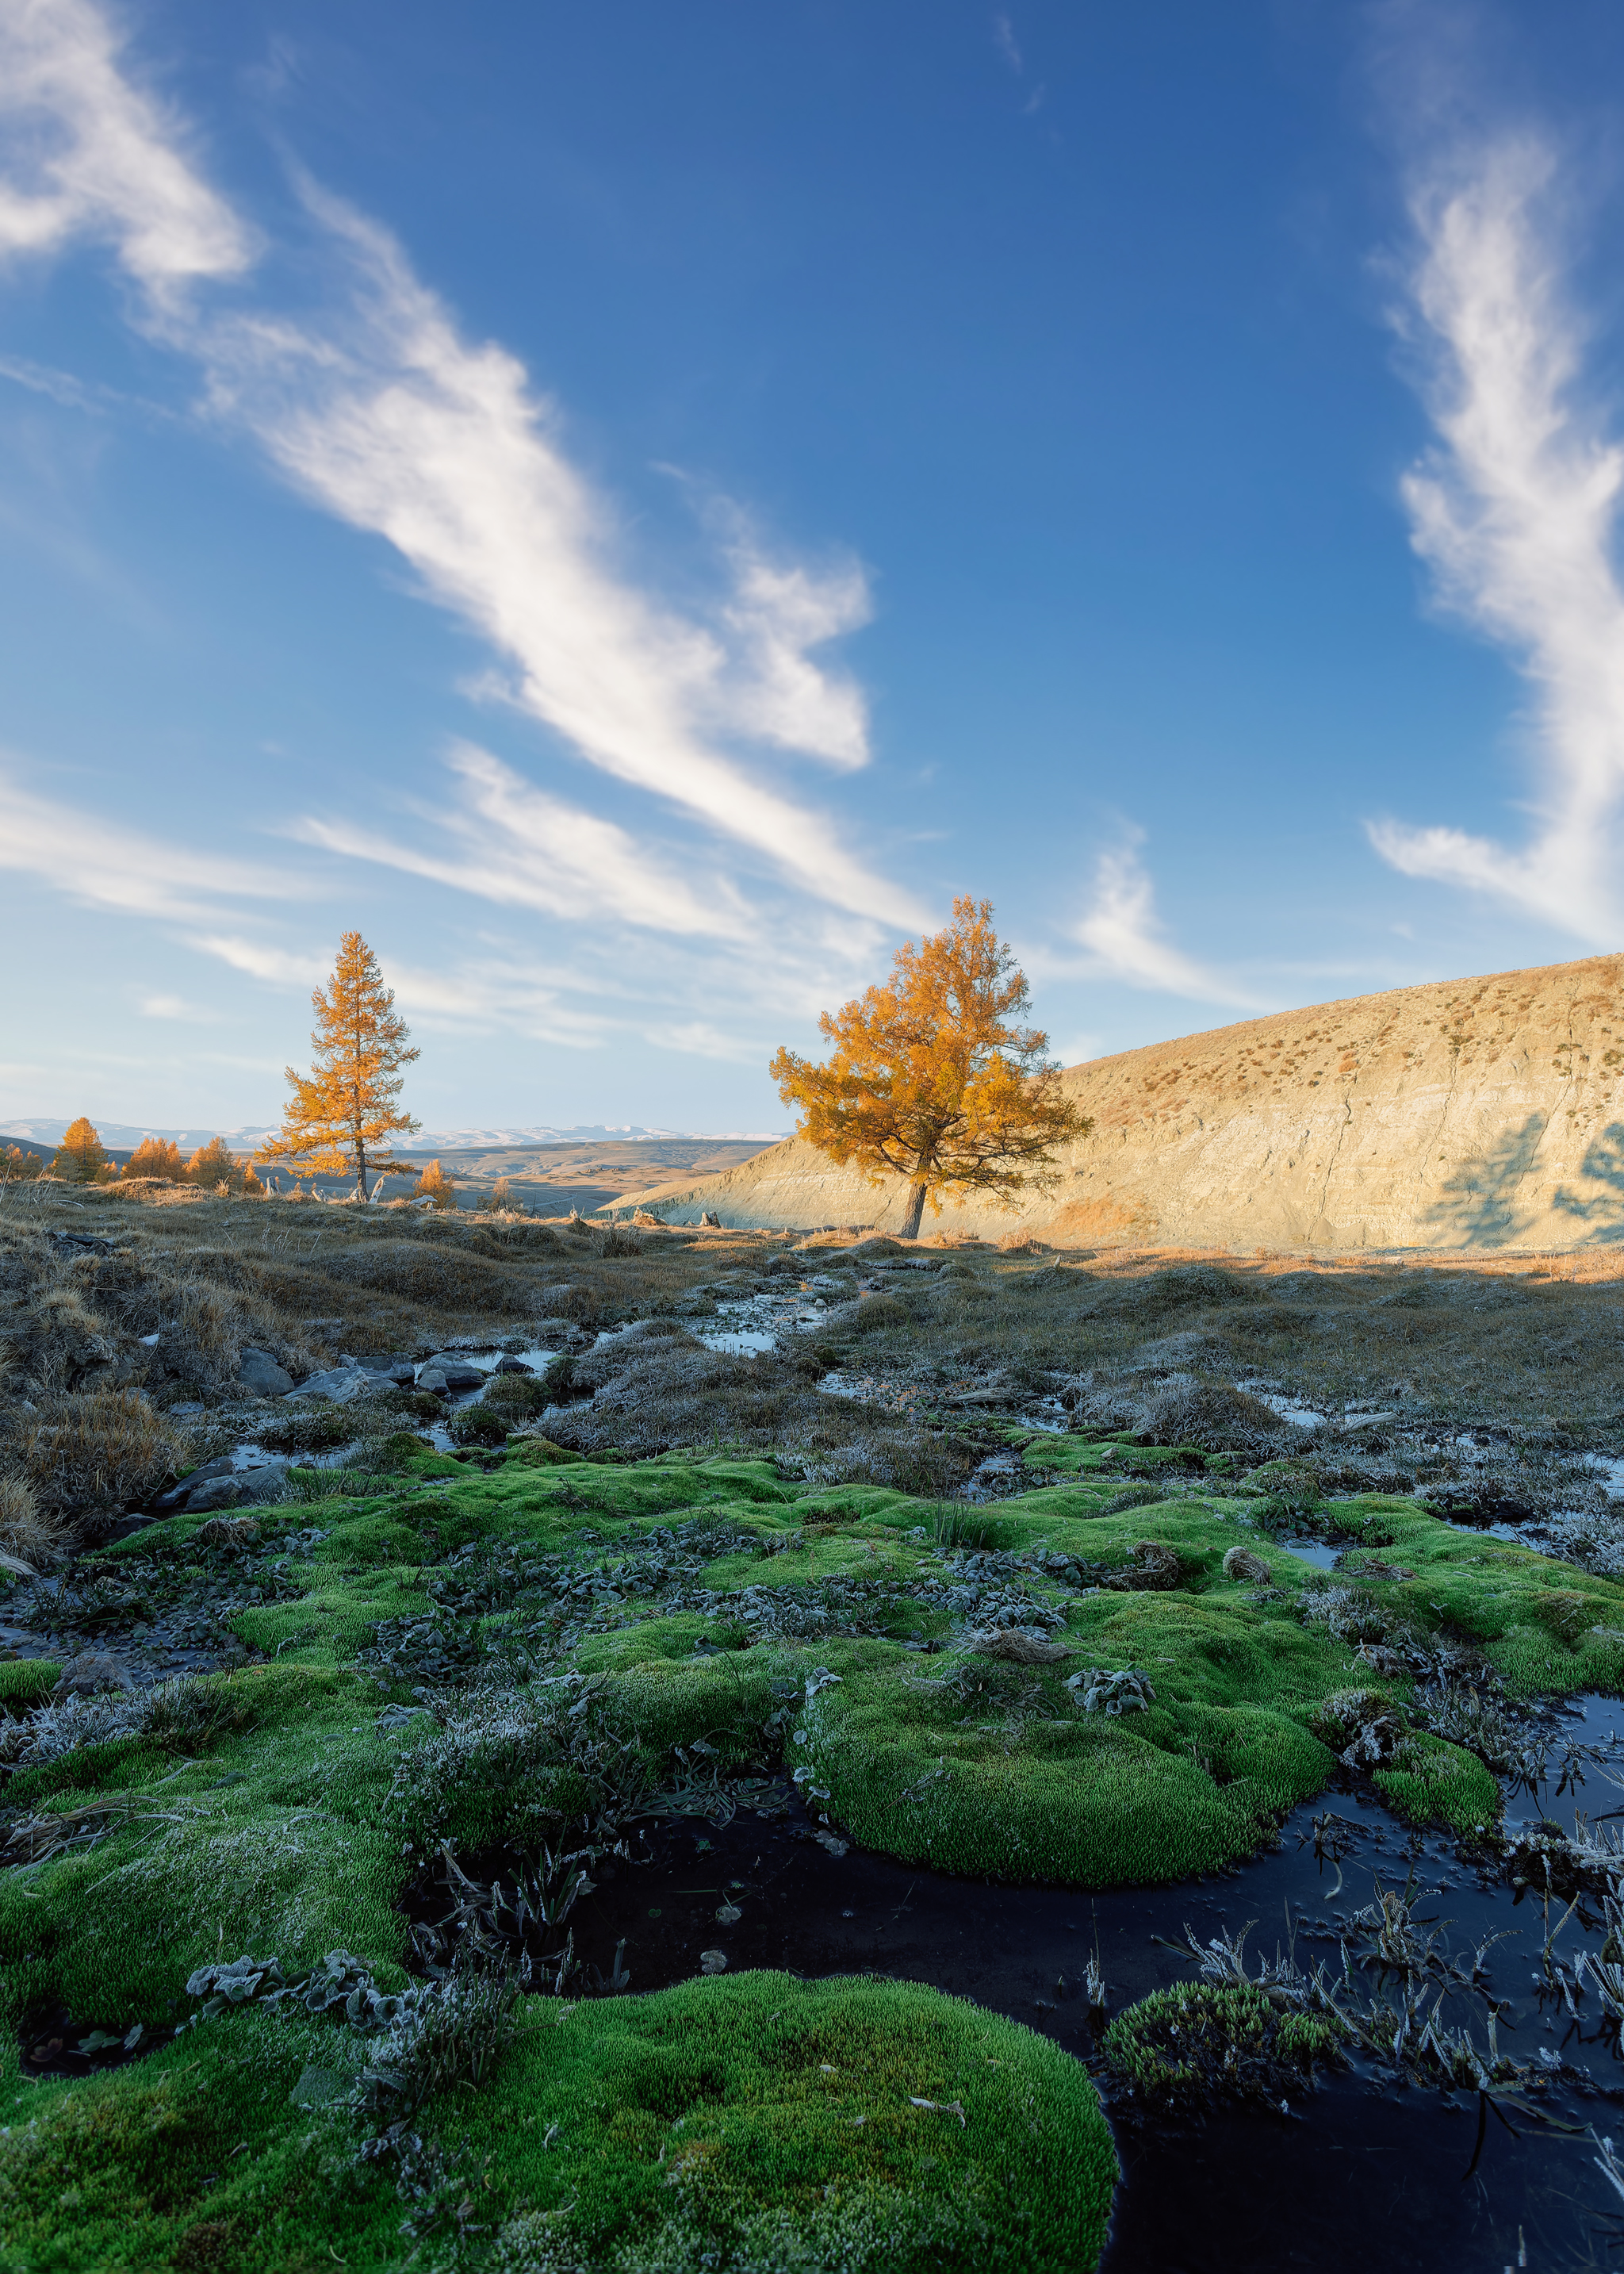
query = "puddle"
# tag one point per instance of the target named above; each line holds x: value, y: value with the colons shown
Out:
x: 1354, y: 2177
x: 1324, y: 1553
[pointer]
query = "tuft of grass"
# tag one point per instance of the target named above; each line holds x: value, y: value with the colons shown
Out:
x: 95, y: 1453
x: 1186, y: 2050
x: 26, y: 1530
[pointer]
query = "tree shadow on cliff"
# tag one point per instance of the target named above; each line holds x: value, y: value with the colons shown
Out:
x: 1480, y: 1204
x: 1603, y: 1164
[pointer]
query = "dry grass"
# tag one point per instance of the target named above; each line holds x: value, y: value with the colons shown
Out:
x: 25, y: 1531
x: 1532, y: 1343
x: 97, y: 1452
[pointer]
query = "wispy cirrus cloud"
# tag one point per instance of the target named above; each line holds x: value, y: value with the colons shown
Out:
x: 1515, y: 511
x: 521, y: 849
x: 91, y: 153
x: 101, y: 863
x: 1126, y: 939
x: 378, y: 407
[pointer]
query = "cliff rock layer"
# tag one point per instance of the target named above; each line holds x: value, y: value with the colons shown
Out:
x: 1473, y: 1113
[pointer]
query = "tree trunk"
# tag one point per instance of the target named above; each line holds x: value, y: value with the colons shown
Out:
x: 916, y: 1210
x: 361, y: 1167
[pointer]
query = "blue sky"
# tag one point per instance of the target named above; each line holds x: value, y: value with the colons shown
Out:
x: 636, y: 507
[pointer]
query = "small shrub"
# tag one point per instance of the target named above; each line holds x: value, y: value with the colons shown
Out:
x: 447, y: 2033
x: 1244, y: 1563
x: 1133, y: 1496
x: 538, y: 1453
x: 26, y: 1682
x: 1294, y: 1487
x: 520, y: 1395
x: 621, y: 1243
x: 315, y: 1430
x: 479, y: 1425
x: 964, y: 1527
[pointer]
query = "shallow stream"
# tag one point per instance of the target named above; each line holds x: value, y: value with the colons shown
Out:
x: 1358, y: 2174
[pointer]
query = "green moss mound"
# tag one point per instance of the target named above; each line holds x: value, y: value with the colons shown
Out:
x: 26, y: 1682
x: 761, y: 2122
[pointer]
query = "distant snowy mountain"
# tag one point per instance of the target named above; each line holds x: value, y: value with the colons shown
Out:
x: 50, y: 1129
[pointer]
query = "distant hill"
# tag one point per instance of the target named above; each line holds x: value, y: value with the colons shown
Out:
x: 49, y: 1128
x: 1471, y: 1113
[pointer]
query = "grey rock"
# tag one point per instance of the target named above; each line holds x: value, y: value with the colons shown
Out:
x: 265, y: 1482
x: 513, y: 1365
x: 262, y: 1377
x: 455, y: 1370
x: 216, y: 1493
x: 89, y: 1674
x: 178, y: 1496
x: 339, y: 1384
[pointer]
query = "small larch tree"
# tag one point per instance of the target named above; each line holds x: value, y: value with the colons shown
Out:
x: 81, y: 1154
x: 343, y: 1113
x: 156, y: 1156
x: 930, y: 1081
x: 436, y: 1186
x: 214, y: 1165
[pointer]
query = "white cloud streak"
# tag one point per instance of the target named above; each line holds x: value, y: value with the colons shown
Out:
x: 101, y: 864
x: 381, y: 411
x: 521, y: 849
x: 1516, y: 512
x: 90, y: 154
x: 1125, y: 938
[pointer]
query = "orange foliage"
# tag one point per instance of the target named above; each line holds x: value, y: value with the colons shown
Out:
x: 156, y: 1156
x: 344, y: 1112
x: 928, y: 1079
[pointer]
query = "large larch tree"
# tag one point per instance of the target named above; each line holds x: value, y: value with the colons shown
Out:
x: 930, y: 1081
x: 342, y: 1114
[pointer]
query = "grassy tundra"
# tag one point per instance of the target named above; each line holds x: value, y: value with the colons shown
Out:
x: 662, y: 1578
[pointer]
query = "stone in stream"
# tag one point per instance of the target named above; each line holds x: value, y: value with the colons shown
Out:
x: 179, y: 1494
x: 446, y: 1370
x: 339, y: 1384
x: 89, y: 1674
x: 214, y: 1493
x: 266, y: 1480
x: 513, y: 1365
x: 260, y: 1375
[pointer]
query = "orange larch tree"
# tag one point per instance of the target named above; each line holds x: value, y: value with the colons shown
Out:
x: 156, y: 1156
x: 343, y: 1113
x: 81, y: 1155
x: 929, y: 1080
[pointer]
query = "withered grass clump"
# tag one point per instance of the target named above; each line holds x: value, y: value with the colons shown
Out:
x: 26, y: 1530
x: 94, y: 1453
